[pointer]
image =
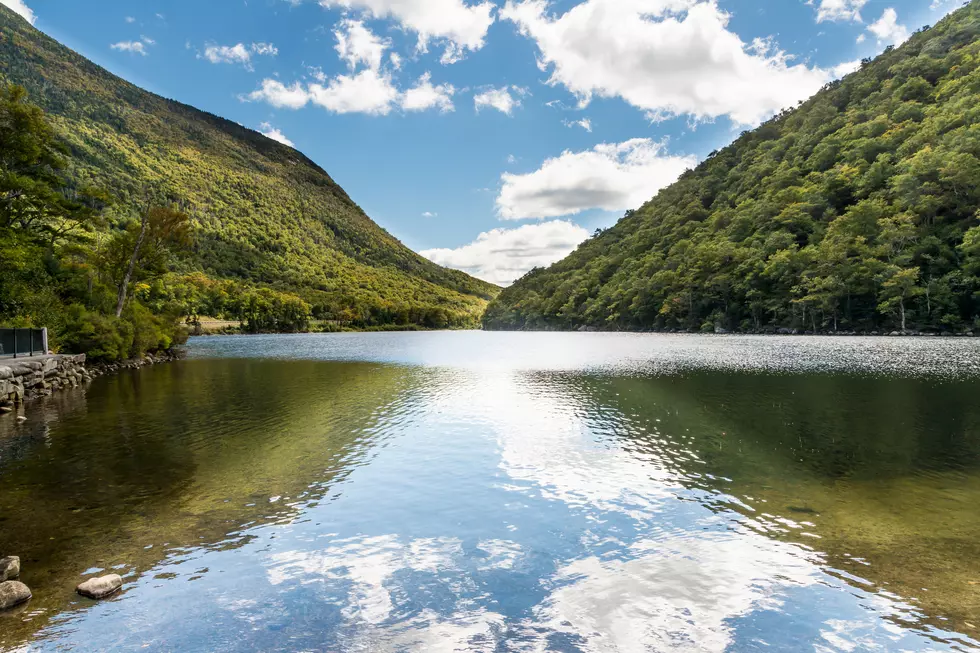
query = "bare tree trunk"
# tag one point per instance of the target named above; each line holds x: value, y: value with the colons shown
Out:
x: 901, y: 306
x: 124, y: 286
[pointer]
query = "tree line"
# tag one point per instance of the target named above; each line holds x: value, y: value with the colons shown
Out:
x: 115, y: 278
x: 280, y: 245
x: 858, y: 210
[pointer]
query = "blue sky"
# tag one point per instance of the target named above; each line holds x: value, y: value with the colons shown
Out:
x: 489, y: 135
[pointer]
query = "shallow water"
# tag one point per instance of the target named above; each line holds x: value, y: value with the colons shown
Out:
x: 506, y: 492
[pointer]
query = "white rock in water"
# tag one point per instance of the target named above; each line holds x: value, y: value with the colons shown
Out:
x: 9, y: 568
x: 99, y: 588
x: 13, y: 593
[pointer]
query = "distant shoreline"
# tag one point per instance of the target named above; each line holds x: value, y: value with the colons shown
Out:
x: 780, y: 333
x: 237, y: 332
x: 822, y: 334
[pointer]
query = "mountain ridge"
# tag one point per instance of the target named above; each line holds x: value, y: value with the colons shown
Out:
x: 856, y: 210
x: 264, y: 213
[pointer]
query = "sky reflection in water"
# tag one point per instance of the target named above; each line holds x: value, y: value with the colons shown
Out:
x: 488, y: 492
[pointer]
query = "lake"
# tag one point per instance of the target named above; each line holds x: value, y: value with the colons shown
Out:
x: 475, y: 491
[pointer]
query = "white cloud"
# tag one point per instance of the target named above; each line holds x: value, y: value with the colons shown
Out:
x: 265, y: 49
x: 861, y: 38
x: 839, y: 10
x: 317, y: 73
x: 611, y: 176
x: 424, y: 95
x: 228, y: 54
x: 369, y: 91
x: 666, y: 57
x: 130, y: 19
x: 238, y: 53
x: 846, y: 68
x: 279, y: 95
x: 20, y: 8
x: 136, y: 47
x: 584, y: 123
x: 502, y: 255
x: 499, y: 99
x: 268, y: 130
x: 429, y: 214
x: 887, y: 28
x: 462, y: 27
x: 356, y: 44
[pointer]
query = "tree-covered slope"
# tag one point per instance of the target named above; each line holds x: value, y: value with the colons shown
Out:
x: 262, y: 214
x: 857, y: 210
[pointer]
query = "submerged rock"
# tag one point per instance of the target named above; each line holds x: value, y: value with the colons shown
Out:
x: 9, y: 568
x: 806, y: 510
x: 13, y: 593
x: 99, y: 588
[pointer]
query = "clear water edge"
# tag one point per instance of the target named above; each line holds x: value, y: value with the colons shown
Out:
x: 476, y: 491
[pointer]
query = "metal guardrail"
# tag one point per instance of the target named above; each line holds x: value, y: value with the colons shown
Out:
x: 23, y: 342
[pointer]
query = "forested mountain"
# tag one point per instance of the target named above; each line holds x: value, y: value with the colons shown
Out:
x: 269, y: 230
x: 857, y: 210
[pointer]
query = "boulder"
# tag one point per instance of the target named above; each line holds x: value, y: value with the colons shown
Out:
x: 99, y: 588
x: 13, y: 593
x: 9, y: 568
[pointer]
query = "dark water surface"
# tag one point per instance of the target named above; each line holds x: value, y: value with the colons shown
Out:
x: 506, y: 492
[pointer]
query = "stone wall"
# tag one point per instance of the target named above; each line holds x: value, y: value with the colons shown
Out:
x: 25, y: 378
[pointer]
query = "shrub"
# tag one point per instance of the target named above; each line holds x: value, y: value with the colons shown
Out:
x: 151, y: 332
x: 101, y: 338
x: 107, y: 339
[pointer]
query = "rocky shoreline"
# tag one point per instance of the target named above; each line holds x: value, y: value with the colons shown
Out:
x: 28, y: 379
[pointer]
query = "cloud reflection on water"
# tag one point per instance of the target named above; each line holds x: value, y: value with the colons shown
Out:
x: 491, y: 507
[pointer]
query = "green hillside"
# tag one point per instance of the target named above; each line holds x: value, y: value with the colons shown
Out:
x: 856, y: 210
x: 265, y: 221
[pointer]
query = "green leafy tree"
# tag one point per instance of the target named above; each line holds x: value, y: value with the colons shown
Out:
x: 141, y: 251
x: 857, y: 209
x: 264, y: 215
x: 900, y: 285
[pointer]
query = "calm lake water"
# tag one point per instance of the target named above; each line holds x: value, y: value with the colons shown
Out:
x: 506, y: 492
